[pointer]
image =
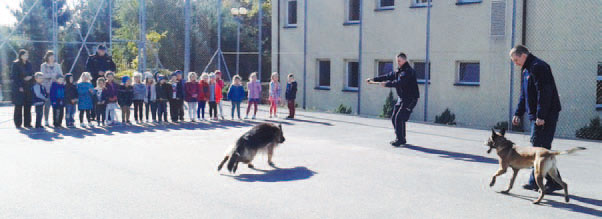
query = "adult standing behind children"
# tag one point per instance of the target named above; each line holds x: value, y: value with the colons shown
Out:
x: 100, y: 63
x: 539, y: 99
x: 22, y: 79
x: 51, y: 71
x: 406, y: 86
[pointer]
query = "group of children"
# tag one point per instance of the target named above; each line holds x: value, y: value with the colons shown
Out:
x: 151, y: 94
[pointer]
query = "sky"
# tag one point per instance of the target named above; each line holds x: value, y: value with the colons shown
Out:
x: 6, y: 18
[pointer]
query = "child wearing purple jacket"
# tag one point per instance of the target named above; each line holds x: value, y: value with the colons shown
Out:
x: 254, y: 89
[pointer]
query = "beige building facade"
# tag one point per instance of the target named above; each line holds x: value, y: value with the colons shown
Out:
x: 470, y: 67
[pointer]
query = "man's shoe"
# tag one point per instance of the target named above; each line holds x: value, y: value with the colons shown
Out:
x: 530, y: 187
x: 397, y: 143
x: 552, y: 189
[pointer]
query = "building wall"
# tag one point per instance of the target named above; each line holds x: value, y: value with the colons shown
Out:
x: 458, y: 33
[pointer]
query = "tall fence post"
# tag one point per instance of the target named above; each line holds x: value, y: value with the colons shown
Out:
x: 142, y: 42
x: 219, y: 34
x: 427, y: 60
x: 110, y: 9
x: 304, y: 53
x: 55, y: 29
x: 359, y: 62
x: 511, y: 93
x: 259, y: 38
x: 187, y: 38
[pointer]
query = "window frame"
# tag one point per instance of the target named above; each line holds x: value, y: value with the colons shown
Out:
x: 286, y: 16
x: 318, y: 86
x: 346, y: 86
x: 380, y: 7
x: 422, y: 81
x: 598, y: 80
x: 466, y: 83
x: 347, y: 14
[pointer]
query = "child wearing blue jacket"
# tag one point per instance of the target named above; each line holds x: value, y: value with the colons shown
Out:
x: 85, y: 90
x: 236, y: 94
x: 57, y: 100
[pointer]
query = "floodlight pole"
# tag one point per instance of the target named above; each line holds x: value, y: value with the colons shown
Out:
x: 259, y: 40
x: 142, y: 43
x: 187, y: 38
x: 427, y: 60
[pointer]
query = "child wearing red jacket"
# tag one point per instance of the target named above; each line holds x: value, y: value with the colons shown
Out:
x: 218, y: 90
x: 202, y: 97
x: 192, y: 88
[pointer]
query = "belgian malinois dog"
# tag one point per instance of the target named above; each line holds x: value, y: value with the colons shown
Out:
x: 517, y: 157
x: 262, y: 136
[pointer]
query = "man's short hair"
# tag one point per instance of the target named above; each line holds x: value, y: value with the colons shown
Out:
x: 402, y: 55
x: 519, y: 50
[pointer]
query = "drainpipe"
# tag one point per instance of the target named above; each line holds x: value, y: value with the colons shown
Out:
x: 524, y: 26
x: 278, y: 33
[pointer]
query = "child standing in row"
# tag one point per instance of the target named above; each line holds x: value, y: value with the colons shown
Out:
x: 57, y: 100
x: 236, y: 94
x: 254, y: 96
x: 212, y: 97
x: 150, y: 99
x: 203, y: 96
x: 110, y: 97
x: 192, y: 94
x: 71, y: 99
x: 274, y: 94
x: 101, y: 104
x: 85, y: 89
x: 291, y: 95
x: 219, y: 87
x: 164, y: 90
x: 125, y: 95
x: 139, y: 94
x: 39, y: 98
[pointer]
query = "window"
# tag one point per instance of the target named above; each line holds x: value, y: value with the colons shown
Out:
x: 419, y: 3
x: 465, y: 2
x: 419, y: 67
x: 352, y: 71
x: 386, y: 4
x: 291, y: 13
x: 353, y: 11
x: 384, y: 67
x: 599, y: 88
x: 324, y: 74
x: 468, y: 73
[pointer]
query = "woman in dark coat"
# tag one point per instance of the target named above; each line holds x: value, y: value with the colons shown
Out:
x: 22, y: 93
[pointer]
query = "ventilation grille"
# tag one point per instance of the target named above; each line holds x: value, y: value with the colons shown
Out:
x: 498, y: 18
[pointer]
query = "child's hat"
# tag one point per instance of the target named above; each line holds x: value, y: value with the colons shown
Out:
x: 125, y: 79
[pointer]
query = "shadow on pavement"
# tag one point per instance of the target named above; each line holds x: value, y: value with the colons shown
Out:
x: 453, y: 155
x: 310, y: 121
x: 50, y: 134
x: 567, y: 206
x: 277, y: 175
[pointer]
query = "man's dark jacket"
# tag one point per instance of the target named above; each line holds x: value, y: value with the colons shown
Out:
x: 98, y: 63
x: 405, y: 84
x: 540, y: 98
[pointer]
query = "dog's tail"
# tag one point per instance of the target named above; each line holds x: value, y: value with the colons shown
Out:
x: 569, y: 151
x: 233, y: 162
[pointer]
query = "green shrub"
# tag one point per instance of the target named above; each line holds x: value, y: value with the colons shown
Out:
x: 593, y: 131
x: 343, y: 109
x: 446, y: 118
x: 504, y: 124
x: 388, y: 107
x: 128, y: 72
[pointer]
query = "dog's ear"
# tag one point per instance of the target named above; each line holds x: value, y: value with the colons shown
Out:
x: 493, y: 134
x: 503, y: 132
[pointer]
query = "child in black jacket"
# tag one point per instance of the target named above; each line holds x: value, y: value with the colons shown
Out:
x: 164, y: 90
x: 71, y: 98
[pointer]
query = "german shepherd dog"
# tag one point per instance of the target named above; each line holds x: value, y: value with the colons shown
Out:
x: 262, y: 136
x: 517, y: 158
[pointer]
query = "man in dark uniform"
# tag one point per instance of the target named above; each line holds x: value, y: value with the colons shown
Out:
x: 100, y: 63
x: 539, y: 99
x: 97, y: 65
x: 406, y: 86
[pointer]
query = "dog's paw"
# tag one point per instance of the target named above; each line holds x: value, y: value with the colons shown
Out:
x: 536, y: 202
x: 271, y: 164
x: 566, y: 199
x: 251, y: 166
x: 492, y: 182
x: 505, y: 192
